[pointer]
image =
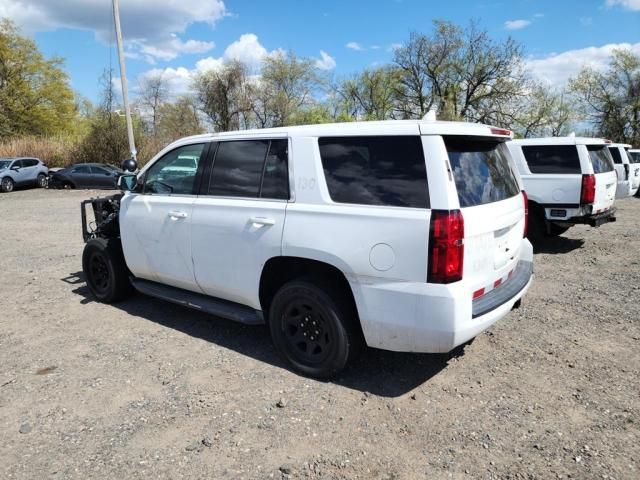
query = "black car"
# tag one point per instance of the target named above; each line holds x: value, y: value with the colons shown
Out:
x: 85, y: 175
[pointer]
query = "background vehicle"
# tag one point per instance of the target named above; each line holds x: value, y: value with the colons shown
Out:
x: 404, y: 235
x: 86, y: 175
x: 628, y: 172
x: 568, y: 180
x: 634, y: 153
x: 22, y: 171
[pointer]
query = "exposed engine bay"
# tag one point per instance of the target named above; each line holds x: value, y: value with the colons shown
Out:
x: 105, y: 222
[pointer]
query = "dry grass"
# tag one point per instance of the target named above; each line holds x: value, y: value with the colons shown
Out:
x: 55, y: 151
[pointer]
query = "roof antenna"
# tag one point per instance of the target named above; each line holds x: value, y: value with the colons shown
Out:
x: 430, y: 116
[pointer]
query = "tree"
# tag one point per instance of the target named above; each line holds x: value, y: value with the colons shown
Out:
x: 107, y: 140
x: 287, y: 85
x: 611, y: 99
x: 223, y: 97
x: 371, y: 94
x: 544, y: 112
x: 179, y: 119
x: 154, y: 91
x: 35, y: 97
x: 462, y: 72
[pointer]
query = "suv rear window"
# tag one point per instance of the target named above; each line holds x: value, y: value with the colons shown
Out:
x: 615, y: 153
x: 552, y: 158
x: 387, y: 171
x: 600, y: 158
x: 635, y: 157
x: 481, y: 170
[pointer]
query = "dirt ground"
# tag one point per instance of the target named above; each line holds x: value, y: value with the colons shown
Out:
x: 145, y: 389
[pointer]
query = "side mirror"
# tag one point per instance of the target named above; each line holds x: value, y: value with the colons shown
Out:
x: 129, y: 165
x: 15, y: 167
x: 127, y: 183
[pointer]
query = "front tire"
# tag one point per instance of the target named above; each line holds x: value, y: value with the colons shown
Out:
x: 314, y: 328
x: 105, y: 270
x: 7, y: 184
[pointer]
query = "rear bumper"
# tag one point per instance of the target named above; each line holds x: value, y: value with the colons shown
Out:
x: 594, y: 220
x: 429, y: 318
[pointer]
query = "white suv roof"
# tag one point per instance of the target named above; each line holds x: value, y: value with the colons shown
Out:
x: 562, y: 141
x: 398, y: 127
x: 623, y: 145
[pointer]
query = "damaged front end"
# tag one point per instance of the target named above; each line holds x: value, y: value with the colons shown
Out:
x: 105, y: 223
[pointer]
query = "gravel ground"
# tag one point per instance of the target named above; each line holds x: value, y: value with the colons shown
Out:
x: 147, y: 389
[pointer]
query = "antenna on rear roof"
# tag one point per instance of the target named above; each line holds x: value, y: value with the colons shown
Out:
x: 430, y: 116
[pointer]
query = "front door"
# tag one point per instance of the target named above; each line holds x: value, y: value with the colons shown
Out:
x: 239, y: 220
x: 155, y: 224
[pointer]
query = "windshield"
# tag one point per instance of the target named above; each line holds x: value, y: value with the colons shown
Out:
x: 481, y: 170
x: 5, y: 163
x: 600, y: 158
x: 635, y: 157
x: 630, y: 157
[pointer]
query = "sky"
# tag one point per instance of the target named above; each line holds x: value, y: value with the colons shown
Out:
x: 182, y: 37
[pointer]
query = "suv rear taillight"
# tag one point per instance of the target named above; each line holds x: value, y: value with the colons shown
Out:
x: 526, y: 213
x: 588, y: 194
x: 446, y: 246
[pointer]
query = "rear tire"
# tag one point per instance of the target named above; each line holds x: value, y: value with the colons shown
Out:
x: 7, y: 184
x: 314, y: 328
x: 537, y: 224
x: 105, y: 270
x: 41, y: 181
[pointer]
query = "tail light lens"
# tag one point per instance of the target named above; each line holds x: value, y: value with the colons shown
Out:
x: 446, y: 246
x: 526, y: 213
x: 588, y: 194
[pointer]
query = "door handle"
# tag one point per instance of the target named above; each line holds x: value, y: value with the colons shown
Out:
x: 262, y: 221
x: 175, y: 214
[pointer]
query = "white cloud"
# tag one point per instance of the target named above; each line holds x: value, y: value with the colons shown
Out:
x: 629, y: 4
x: 354, y: 46
x: 394, y: 46
x: 246, y: 49
x: 148, y: 26
x: 516, y: 24
x: 557, y: 68
x: 326, y: 61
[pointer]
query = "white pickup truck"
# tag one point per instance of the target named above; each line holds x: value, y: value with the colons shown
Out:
x: 627, y: 170
x: 404, y: 235
x: 568, y: 180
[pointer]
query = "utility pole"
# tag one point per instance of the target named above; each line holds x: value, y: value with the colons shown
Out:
x: 123, y: 78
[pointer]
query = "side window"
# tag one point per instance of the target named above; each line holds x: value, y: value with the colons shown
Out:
x: 18, y: 164
x: 239, y: 167
x: 615, y: 153
x: 175, y: 173
x: 275, y: 180
x: 82, y: 169
x: 552, y: 158
x: 375, y: 170
x: 30, y: 163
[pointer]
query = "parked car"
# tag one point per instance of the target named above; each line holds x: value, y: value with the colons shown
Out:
x: 86, y: 175
x: 634, y: 155
x: 404, y: 235
x: 568, y: 180
x: 22, y: 171
x: 627, y: 171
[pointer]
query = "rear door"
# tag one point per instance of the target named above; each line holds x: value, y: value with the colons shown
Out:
x: 239, y: 218
x: 605, y: 174
x: 492, y: 206
x: 103, y: 177
x: 30, y: 170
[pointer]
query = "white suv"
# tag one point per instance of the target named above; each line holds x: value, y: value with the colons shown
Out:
x: 568, y: 180
x: 404, y: 235
x: 627, y: 170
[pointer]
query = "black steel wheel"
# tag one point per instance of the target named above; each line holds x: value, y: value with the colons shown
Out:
x: 105, y: 270
x: 314, y: 328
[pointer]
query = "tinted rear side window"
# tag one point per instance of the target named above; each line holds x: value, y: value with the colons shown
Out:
x: 552, y: 158
x: 387, y: 171
x: 481, y: 170
x: 600, y: 158
x: 635, y: 157
x: 615, y: 153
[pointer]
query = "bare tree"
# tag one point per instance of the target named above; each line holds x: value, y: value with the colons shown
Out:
x: 154, y: 91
